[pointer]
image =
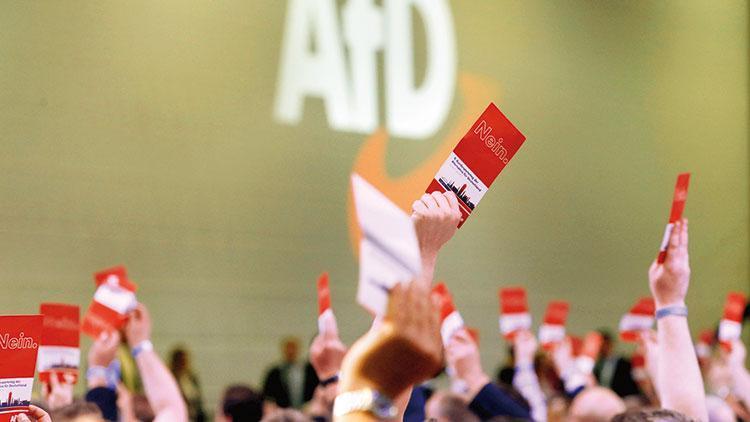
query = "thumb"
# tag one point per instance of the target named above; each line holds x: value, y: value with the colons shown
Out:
x: 54, y: 381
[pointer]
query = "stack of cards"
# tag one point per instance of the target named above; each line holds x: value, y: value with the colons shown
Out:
x: 59, y: 351
x: 678, y: 205
x: 478, y: 159
x: 450, y: 319
x: 389, y: 249
x: 730, y: 327
x: 552, y: 330
x: 640, y: 318
x: 326, y: 319
x: 113, y: 300
x: 514, y: 311
x: 20, y: 336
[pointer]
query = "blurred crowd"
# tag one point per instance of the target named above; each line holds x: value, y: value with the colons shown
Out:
x: 389, y: 373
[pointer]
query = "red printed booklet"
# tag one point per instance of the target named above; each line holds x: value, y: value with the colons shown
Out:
x: 552, y: 330
x: 19, y: 343
x: 478, y: 159
x: 450, y: 319
x: 514, y: 311
x: 114, y: 298
x: 678, y: 205
x: 639, y: 318
x: 59, y: 352
x: 326, y: 319
x: 730, y: 326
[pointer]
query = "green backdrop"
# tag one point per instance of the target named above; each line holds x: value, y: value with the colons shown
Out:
x: 143, y: 133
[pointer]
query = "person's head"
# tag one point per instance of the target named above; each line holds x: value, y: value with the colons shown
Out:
x: 240, y: 403
x: 655, y: 415
x: 78, y: 411
x: 179, y: 360
x: 444, y: 406
x: 290, y: 349
x: 596, y: 404
x: 608, y: 343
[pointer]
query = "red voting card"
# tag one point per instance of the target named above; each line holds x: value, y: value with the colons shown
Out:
x: 638, y: 366
x: 678, y: 205
x: 730, y: 327
x: 114, y: 298
x: 640, y: 318
x: 478, y: 159
x: 326, y: 319
x: 450, y: 319
x: 20, y: 336
x: 576, y: 344
x: 552, y: 330
x: 324, y: 294
x: 59, y: 351
x: 514, y: 311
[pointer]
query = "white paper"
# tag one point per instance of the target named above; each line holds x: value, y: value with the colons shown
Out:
x: 389, y: 249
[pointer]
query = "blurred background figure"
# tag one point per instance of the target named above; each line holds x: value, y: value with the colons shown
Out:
x: 613, y: 371
x: 179, y: 364
x: 290, y: 383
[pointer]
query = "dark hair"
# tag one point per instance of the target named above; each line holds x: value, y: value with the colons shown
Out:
x: 242, y: 404
x: 454, y: 409
x: 657, y: 415
x: 74, y: 410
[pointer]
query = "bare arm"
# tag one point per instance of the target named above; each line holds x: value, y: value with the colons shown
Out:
x: 161, y: 388
x: 436, y: 217
x: 679, y: 382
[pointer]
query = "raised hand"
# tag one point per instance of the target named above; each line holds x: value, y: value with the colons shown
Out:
x: 138, y: 328
x: 104, y: 349
x: 462, y: 354
x: 403, y: 350
x: 669, y: 281
x: 57, y: 394
x: 524, y: 346
x: 327, y: 351
x: 435, y: 218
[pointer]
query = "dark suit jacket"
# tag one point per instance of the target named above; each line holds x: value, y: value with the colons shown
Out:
x: 275, y: 387
x: 622, y: 380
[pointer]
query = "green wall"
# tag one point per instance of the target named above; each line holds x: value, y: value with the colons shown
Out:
x: 142, y: 133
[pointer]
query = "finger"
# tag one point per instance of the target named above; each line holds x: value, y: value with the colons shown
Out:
x: 37, y: 412
x: 53, y: 381
x: 442, y: 202
x: 69, y: 378
x: 453, y: 201
x: 429, y: 201
x: 418, y: 207
x: 685, y: 234
x: 113, y: 340
x: 330, y: 328
x: 674, y: 238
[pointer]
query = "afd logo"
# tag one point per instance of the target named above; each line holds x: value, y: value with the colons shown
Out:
x: 333, y: 55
